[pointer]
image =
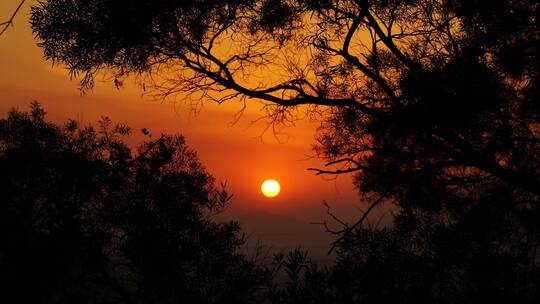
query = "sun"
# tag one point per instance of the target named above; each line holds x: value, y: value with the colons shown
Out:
x: 270, y: 188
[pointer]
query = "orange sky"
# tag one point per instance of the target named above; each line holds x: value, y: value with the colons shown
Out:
x: 242, y: 153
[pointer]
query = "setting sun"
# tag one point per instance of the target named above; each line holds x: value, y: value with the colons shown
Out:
x: 270, y: 188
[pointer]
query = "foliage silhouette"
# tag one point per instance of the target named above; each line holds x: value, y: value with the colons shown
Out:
x: 434, y: 84
x: 84, y: 219
x: 481, y: 257
x: 433, y: 104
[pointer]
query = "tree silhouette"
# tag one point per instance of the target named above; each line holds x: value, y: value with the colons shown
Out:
x: 83, y: 219
x: 433, y: 104
x: 434, y: 74
x: 481, y: 257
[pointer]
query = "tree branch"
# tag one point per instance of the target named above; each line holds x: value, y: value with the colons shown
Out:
x: 357, y: 167
x: 358, y: 223
x: 387, y: 40
x: 5, y: 25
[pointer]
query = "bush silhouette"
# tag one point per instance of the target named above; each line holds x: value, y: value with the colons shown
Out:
x: 84, y: 219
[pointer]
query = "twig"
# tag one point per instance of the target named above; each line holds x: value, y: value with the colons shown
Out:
x: 148, y: 149
x: 335, y: 218
x: 358, y: 223
x: 6, y: 24
x: 357, y: 167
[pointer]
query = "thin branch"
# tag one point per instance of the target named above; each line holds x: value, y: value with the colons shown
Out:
x: 353, y: 60
x: 387, y: 40
x: 152, y: 145
x: 332, y: 215
x: 335, y: 218
x: 358, y: 223
x: 357, y: 167
x: 334, y: 172
x: 5, y: 25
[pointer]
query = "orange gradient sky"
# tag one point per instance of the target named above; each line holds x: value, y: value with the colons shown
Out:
x: 243, y: 153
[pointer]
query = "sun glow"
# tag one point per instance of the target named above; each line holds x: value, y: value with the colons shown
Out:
x: 270, y: 188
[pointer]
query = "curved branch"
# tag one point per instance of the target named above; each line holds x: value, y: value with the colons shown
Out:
x: 225, y: 78
x: 357, y: 167
x: 363, y: 68
x: 387, y: 40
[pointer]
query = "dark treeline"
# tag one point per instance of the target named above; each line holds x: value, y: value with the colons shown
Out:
x: 432, y: 104
x: 84, y: 219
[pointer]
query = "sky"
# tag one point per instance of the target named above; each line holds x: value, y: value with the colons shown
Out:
x: 244, y: 152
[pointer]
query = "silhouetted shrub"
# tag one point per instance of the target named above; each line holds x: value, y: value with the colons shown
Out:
x: 84, y: 219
